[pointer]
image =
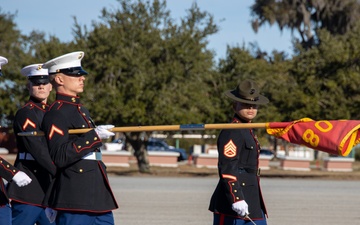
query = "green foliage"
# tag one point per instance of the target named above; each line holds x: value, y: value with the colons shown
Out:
x: 328, y: 77
x: 307, y: 17
x: 272, y: 78
x: 11, y: 84
x: 147, y: 70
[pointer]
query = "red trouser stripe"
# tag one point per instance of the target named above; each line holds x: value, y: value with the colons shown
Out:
x: 222, y: 219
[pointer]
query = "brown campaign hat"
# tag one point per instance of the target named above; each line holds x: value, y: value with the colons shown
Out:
x: 247, y: 92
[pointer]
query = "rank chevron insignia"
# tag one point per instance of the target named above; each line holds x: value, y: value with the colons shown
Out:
x: 27, y: 123
x: 230, y: 149
x: 54, y: 130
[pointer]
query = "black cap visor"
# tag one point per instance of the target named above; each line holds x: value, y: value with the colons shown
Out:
x: 38, y: 80
x: 72, y: 71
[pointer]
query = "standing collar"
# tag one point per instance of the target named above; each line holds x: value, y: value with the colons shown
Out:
x: 38, y: 103
x: 68, y: 98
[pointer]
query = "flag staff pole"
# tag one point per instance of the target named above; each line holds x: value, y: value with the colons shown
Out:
x: 164, y: 128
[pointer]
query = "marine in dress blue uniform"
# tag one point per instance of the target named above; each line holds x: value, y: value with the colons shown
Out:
x: 81, y: 193
x: 238, y: 192
x: 9, y: 173
x: 33, y: 155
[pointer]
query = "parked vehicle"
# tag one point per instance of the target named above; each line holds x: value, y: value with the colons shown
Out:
x: 267, y: 152
x: 115, y: 145
x: 154, y: 144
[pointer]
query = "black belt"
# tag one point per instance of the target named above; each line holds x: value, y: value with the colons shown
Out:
x: 249, y: 170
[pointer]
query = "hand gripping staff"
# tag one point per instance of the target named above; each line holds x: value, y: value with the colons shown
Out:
x: 248, y: 217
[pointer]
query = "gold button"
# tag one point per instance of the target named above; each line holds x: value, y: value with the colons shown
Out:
x: 95, y: 138
x: 83, y: 125
x: 79, y: 146
x: 242, y: 184
x: 87, y: 142
x: 237, y: 198
x: 84, y: 114
x: 232, y: 184
x: 80, y: 170
x: 14, y: 171
x: 235, y: 191
x: 7, y: 166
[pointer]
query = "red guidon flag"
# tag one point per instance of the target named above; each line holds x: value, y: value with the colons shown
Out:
x: 335, y: 137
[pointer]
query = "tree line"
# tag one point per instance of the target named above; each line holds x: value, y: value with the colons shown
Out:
x: 145, y: 69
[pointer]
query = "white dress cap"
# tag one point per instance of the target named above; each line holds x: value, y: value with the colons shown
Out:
x: 36, y: 73
x: 3, y: 61
x: 69, y: 64
x: 34, y: 70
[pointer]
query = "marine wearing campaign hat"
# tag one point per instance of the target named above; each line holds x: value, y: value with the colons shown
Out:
x: 3, y: 61
x: 247, y: 92
x: 36, y: 74
x: 68, y: 64
x: 238, y: 191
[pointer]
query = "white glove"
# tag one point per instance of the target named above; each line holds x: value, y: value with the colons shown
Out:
x: 241, y: 208
x: 50, y: 214
x: 102, y: 131
x: 21, y: 179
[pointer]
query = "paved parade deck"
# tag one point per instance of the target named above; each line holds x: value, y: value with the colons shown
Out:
x: 183, y: 200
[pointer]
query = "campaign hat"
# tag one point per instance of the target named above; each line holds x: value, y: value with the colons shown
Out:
x: 247, y: 92
x: 36, y: 74
x: 68, y: 64
x: 3, y: 61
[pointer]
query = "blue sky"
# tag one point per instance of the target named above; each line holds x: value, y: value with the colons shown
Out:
x: 232, y: 16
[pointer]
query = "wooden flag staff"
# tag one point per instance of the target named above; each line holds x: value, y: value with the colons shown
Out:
x: 164, y: 128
